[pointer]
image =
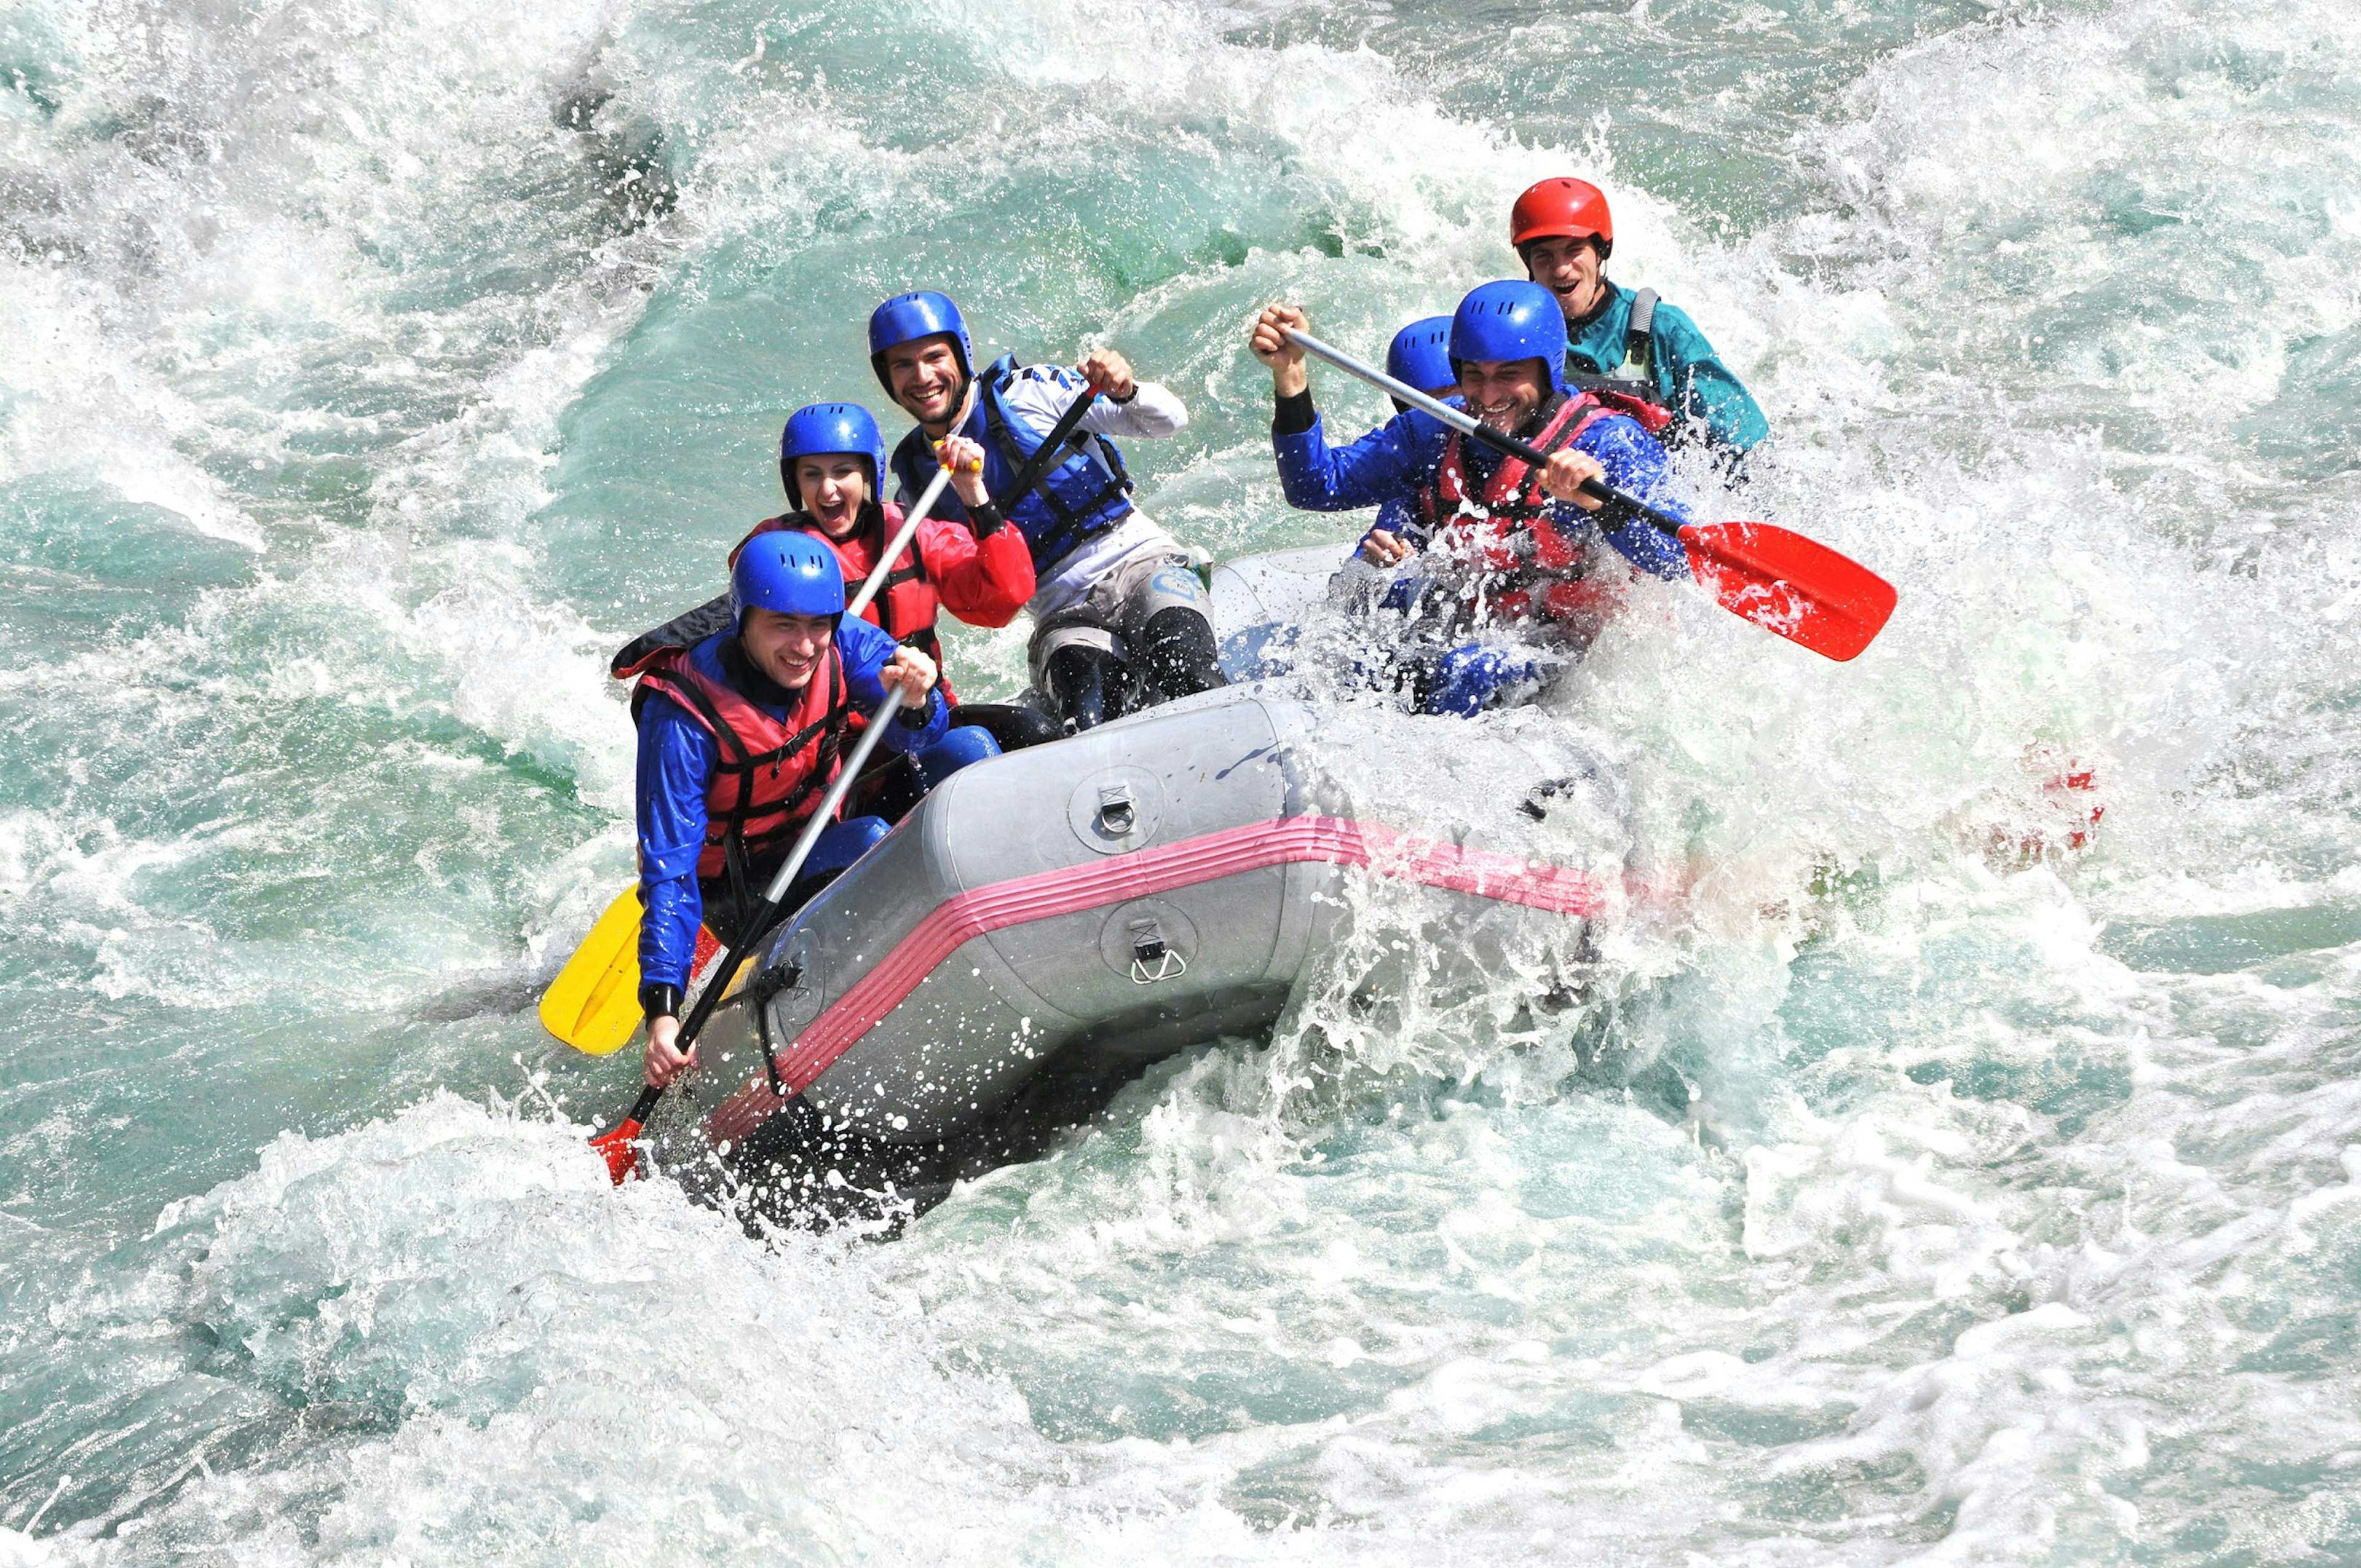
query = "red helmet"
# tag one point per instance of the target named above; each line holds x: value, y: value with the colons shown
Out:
x: 1562, y: 208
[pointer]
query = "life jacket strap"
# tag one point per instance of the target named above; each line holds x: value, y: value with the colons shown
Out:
x: 736, y: 762
x: 1073, y: 523
x: 1640, y: 339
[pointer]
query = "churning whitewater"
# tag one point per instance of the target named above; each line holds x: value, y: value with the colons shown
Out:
x: 1908, y: 1173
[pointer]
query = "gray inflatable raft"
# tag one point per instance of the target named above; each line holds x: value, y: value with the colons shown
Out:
x: 1068, y: 914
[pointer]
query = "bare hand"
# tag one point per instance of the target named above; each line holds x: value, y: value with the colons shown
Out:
x: 665, y: 1060
x: 1109, y: 375
x: 964, y: 458
x: 1567, y: 471
x: 911, y: 672
x: 1386, y: 548
x: 1271, y: 344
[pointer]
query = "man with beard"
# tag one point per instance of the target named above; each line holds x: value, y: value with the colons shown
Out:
x: 1636, y: 354
x: 1116, y: 602
x: 1509, y: 548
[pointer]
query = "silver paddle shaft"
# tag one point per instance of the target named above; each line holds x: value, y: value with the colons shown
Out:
x: 887, y: 712
x: 1458, y: 419
x: 877, y: 573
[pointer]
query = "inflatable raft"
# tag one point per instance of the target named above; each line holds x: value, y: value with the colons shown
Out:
x: 1045, y: 924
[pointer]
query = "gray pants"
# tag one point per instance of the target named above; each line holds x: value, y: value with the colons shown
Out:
x: 1119, y: 604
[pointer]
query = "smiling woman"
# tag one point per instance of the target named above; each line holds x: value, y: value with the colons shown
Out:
x: 1892, y: 1180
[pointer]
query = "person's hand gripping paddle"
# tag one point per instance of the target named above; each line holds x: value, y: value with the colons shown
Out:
x: 1760, y: 572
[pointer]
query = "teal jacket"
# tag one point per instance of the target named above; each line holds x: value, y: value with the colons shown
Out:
x: 1690, y: 378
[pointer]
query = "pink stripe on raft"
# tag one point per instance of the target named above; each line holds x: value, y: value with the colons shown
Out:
x: 1287, y: 841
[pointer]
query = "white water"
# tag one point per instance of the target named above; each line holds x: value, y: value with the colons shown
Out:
x: 1895, y: 1192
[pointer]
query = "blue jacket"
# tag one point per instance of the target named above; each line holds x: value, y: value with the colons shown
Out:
x: 676, y: 765
x: 1399, y: 459
x: 1690, y: 378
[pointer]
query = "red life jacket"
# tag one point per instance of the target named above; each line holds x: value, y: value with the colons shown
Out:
x: 907, y: 605
x: 1513, y: 542
x: 770, y: 775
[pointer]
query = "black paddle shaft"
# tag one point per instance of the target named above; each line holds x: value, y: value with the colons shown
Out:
x: 707, y: 1001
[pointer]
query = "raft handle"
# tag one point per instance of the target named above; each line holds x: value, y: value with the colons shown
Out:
x: 1117, y: 811
x: 1148, y: 947
x: 767, y: 985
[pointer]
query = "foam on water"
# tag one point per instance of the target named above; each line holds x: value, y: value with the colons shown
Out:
x: 1887, y: 1182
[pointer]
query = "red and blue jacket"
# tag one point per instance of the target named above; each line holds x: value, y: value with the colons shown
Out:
x: 680, y: 763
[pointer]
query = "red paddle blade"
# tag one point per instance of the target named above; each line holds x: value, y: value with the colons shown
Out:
x: 1785, y: 583
x: 615, y: 1143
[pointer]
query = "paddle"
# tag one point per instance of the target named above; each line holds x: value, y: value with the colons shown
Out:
x: 1776, y: 578
x: 901, y: 542
x: 615, y: 1142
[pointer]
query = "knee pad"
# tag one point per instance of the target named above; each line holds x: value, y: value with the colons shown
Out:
x: 955, y: 751
x: 1087, y: 683
x: 1176, y: 645
x: 1470, y: 679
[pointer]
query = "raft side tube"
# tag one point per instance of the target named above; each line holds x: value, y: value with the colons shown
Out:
x: 1105, y: 900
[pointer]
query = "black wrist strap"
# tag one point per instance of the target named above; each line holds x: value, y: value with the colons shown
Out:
x: 660, y: 1000
x: 986, y: 519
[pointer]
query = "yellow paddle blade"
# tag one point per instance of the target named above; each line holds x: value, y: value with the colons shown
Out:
x: 594, y: 1003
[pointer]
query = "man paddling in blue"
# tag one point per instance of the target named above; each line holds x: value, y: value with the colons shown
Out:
x: 1512, y: 547
x: 1636, y: 354
x: 740, y: 738
x: 1117, y: 605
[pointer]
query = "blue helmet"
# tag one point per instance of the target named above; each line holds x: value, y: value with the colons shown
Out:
x: 823, y: 428
x: 907, y: 317
x: 1510, y: 320
x: 1421, y: 355
x: 791, y: 572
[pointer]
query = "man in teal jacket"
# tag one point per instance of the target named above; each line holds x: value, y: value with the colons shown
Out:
x: 1640, y: 356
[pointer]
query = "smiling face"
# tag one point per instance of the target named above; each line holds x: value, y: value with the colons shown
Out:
x: 1503, y: 393
x: 1568, y: 267
x: 831, y: 486
x: 787, y: 648
x: 925, y: 378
